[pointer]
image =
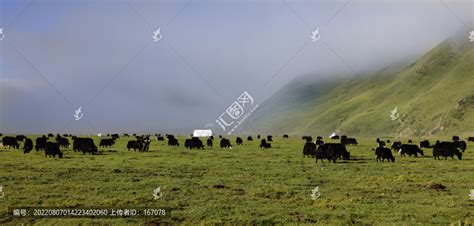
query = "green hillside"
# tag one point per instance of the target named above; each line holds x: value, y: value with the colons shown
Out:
x: 432, y: 96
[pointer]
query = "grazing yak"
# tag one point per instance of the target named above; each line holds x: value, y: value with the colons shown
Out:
x: 258, y: 136
x: 383, y: 153
x: 146, y: 141
x: 28, y: 145
x: 63, y: 142
x: 225, y: 143
x: 52, y: 149
x: 20, y: 138
x: 455, y: 138
x: 320, y: 154
x: 84, y: 145
x: 172, y: 141
x: 141, y: 145
x: 396, y: 146
x: 331, y: 152
x: 188, y: 144
x: 410, y: 149
x: 239, y: 141
x: 160, y: 138
x: 209, y: 142
x: 107, y: 143
x: 115, y: 136
x: 470, y: 139
x: 41, y: 143
x: 307, y: 138
x: 339, y: 151
x: 336, y: 137
x: 269, y: 138
x: 193, y: 143
x: 309, y: 149
x: 319, y: 142
x: 285, y: 136
x: 249, y: 138
x: 461, y: 145
x: 264, y: 144
x: 10, y: 142
x: 380, y: 143
x: 425, y: 144
x: 410, y: 141
x: 348, y: 141
x: 446, y: 149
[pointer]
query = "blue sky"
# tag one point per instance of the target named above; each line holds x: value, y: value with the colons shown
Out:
x: 59, y: 55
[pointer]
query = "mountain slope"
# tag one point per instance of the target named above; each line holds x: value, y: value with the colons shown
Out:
x: 433, y: 96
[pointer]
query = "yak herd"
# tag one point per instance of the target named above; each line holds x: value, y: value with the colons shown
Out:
x: 318, y: 149
x: 333, y: 151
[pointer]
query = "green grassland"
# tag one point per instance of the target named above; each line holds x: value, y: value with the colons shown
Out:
x: 242, y: 185
x: 434, y: 96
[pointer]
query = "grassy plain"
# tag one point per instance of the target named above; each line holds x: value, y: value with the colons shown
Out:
x: 242, y: 185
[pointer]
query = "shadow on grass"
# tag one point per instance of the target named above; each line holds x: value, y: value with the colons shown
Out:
x: 341, y: 162
x: 112, y: 150
x: 350, y: 162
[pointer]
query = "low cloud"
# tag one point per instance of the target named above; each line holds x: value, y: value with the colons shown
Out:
x: 100, y: 55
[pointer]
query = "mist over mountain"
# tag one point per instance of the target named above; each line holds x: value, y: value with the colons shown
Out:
x: 431, y: 96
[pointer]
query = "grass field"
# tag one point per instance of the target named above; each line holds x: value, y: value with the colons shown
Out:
x: 242, y: 185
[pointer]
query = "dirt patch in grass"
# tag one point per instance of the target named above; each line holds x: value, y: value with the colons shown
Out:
x: 437, y: 186
x: 218, y: 186
x: 239, y: 191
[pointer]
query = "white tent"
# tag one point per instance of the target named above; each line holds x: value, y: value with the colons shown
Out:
x: 333, y: 135
x: 202, y: 133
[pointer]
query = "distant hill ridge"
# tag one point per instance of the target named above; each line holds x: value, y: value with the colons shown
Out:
x: 431, y: 97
